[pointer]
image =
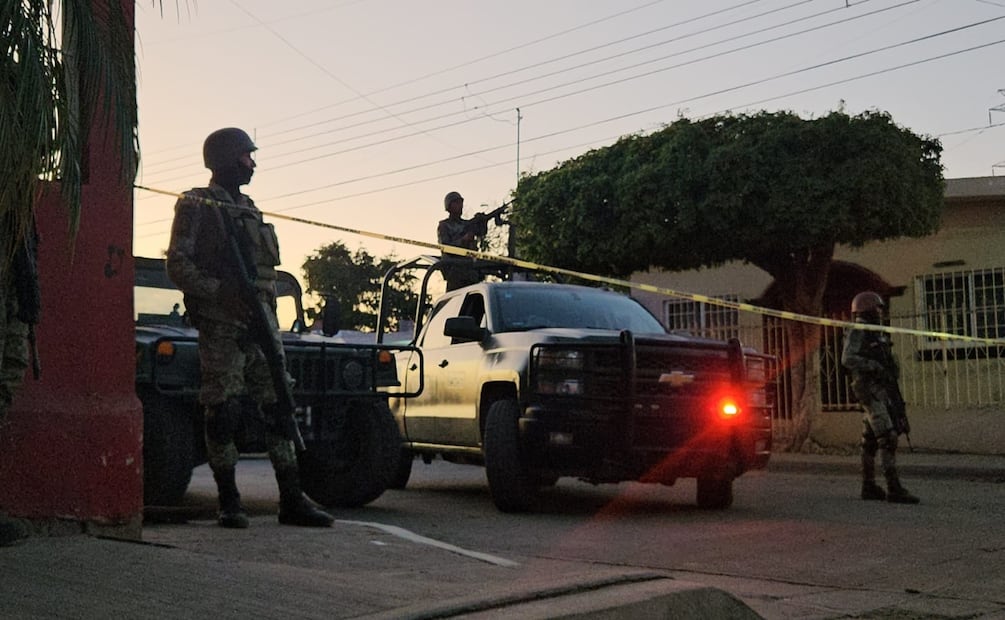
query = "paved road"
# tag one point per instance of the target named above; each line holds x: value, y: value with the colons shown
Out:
x: 796, y: 544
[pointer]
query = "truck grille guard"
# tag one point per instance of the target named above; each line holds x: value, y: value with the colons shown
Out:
x: 318, y: 369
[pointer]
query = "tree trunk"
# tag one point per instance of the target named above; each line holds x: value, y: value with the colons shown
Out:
x: 801, y: 280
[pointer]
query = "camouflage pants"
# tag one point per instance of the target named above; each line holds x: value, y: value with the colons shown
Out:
x: 878, y: 435
x: 13, y: 346
x: 232, y: 365
x: 874, y: 400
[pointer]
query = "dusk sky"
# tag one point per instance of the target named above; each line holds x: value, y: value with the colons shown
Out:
x: 366, y: 112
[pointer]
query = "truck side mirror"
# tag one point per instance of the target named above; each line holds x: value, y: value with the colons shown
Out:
x: 464, y: 329
x: 330, y: 317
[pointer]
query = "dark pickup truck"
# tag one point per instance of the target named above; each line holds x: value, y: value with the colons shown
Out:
x: 537, y: 381
x: 352, y: 442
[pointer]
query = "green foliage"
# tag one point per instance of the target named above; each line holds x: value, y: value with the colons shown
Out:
x: 353, y: 281
x: 756, y: 188
x: 51, y: 85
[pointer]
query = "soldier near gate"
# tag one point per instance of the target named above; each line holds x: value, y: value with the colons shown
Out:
x: 200, y: 262
x: 875, y: 374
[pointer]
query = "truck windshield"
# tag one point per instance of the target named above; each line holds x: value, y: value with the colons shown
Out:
x: 533, y: 307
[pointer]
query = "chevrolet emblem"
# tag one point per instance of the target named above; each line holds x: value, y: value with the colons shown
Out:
x: 676, y: 378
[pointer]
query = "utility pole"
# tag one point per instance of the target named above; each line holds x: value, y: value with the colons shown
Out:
x: 997, y: 108
x: 511, y: 238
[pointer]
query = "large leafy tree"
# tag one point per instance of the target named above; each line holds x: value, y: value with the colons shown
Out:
x: 64, y: 63
x: 772, y: 189
x: 352, y: 280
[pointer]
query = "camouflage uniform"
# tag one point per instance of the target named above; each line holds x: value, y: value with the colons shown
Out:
x: 19, y: 307
x: 869, y: 357
x: 231, y: 364
x: 13, y: 343
x: 451, y: 231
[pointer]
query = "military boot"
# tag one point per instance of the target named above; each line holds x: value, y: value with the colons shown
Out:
x: 870, y: 490
x: 232, y: 515
x: 897, y: 494
x: 294, y: 507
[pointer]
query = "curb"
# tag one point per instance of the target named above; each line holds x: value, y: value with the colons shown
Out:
x: 645, y: 595
x: 851, y: 467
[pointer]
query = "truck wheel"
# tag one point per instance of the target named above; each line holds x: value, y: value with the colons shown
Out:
x: 168, y: 449
x: 715, y: 493
x: 404, y: 471
x: 355, y: 468
x: 513, y: 488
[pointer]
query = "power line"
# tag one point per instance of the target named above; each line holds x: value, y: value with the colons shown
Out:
x: 527, y: 67
x: 650, y: 73
x: 516, y: 98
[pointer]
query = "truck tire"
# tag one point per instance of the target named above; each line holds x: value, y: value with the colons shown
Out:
x: 168, y: 448
x: 512, y: 486
x: 404, y: 470
x: 715, y: 493
x: 357, y: 467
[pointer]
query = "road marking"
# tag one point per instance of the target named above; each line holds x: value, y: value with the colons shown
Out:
x: 423, y: 540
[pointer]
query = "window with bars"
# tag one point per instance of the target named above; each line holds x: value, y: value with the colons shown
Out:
x: 965, y: 303
x: 703, y: 319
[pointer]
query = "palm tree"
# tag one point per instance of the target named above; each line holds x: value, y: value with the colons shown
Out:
x: 65, y: 62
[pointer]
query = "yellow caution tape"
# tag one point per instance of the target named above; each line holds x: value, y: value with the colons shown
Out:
x: 516, y: 262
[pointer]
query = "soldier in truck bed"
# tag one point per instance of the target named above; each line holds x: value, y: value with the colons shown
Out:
x: 199, y: 263
x: 459, y: 232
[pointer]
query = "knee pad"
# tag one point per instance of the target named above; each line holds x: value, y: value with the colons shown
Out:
x: 222, y: 421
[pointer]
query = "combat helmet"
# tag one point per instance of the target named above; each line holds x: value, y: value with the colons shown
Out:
x: 866, y: 301
x: 449, y: 198
x: 223, y: 147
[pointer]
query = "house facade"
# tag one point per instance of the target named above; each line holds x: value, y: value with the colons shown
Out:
x: 951, y: 282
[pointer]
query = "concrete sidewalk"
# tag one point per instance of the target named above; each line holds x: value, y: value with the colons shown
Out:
x: 935, y: 465
x: 361, y: 570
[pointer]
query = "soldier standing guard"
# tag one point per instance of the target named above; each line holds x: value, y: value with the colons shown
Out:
x: 199, y: 263
x: 867, y: 354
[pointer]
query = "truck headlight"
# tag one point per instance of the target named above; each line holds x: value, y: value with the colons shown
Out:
x: 559, y: 359
x: 756, y: 370
x: 563, y: 387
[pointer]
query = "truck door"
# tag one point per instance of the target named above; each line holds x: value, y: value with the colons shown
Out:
x: 445, y: 412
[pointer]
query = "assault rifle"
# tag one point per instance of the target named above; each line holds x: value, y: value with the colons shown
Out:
x: 898, y: 411
x: 263, y: 333
x: 880, y: 351
x: 480, y: 221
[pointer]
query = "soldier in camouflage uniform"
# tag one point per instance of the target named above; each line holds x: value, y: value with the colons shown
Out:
x: 199, y: 263
x: 19, y: 307
x: 19, y: 312
x: 461, y: 233
x: 873, y: 367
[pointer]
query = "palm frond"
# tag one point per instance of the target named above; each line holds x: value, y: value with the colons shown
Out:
x: 54, y: 83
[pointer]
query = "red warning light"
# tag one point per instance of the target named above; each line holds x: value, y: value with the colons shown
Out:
x: 729, y: 408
